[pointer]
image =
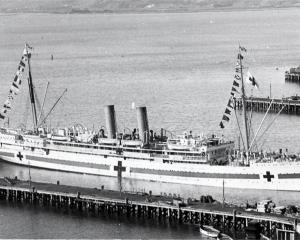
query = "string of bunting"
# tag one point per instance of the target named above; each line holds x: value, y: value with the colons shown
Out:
x: 15, y: 86
x: 234, y: 88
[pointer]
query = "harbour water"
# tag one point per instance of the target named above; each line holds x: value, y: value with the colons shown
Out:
x: 179, y: 65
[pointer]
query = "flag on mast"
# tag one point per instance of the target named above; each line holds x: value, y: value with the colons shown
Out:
x: 230, y: 103
x: 237, y: 77
x: 15, y: 86
x: 227, y: 111
x: 225, y: 118
x: 235, y: 83
x: 233, y: 89
x: 243, y: 49
x: 240, y: 56
x: 251, y: 80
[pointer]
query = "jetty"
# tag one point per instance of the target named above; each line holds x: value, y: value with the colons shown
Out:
x: 137, y: 205
x: 293, y: 75
x: 290, y: 105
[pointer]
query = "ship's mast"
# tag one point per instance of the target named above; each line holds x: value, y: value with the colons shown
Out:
x: 31, y: 93
x: 243, y: 96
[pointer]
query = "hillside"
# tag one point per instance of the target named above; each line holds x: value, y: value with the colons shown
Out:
x: 100, y: 6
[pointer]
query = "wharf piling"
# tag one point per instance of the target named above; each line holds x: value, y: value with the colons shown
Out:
x: 290, y: 105
x: 293, y: 75
x: 141, y: 205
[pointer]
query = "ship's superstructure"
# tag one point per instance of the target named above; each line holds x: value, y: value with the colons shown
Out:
x: 145, y: 154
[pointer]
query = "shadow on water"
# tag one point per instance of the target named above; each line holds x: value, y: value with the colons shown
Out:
x: 38, y: 222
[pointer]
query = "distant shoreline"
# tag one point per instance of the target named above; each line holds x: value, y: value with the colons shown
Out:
x: 152, y: 11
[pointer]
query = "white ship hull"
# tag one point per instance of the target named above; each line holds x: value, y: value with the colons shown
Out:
x: 271, y: 176
x: 144, y: 155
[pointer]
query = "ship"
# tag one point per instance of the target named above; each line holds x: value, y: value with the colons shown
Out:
x: 208, y: 160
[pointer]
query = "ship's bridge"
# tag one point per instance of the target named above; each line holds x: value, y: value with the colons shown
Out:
x: 192, y: 143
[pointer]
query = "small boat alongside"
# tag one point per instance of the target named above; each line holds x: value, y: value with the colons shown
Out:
x: 223, y: 236
x: 264, y: 237
x: 209, y: 231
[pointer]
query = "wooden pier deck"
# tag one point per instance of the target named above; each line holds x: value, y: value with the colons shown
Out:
x: 257, y: 104
x: 140, y: 204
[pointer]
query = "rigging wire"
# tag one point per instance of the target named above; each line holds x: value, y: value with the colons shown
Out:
x: 261, y: 123
x: 25, y: 114
x: 250, y: 124
x: 252, y: 134
x: 237, y: 121
x: 44, y: 99
x: 38, y: 104
x: 283, y: 106
x: 57, y: 101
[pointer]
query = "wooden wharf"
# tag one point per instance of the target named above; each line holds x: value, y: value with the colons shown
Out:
x: 292, y: 76
x: 135, y: 204
x: 257, y: 104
